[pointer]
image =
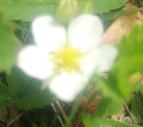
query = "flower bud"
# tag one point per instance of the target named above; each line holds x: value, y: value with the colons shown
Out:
x: 67, y: 10
x: 86, y: 7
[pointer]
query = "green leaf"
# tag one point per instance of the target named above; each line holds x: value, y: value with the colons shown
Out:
x: 17, y: 80
x: 132, y: 44
x: 137, y: 107
x: 103, y: 6
x: 6, y: 97
x: 107, y: 88
x: 128, y: 63
x: 34, y: 97
x: 9, y: 46
x: 121, y: 74
x: 27, y: 10
x: 114, y: 15
x: 108, y: 106
x: 93, y: 121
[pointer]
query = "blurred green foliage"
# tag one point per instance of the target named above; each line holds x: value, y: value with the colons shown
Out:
x: 137, y: 106
x: 6, y: 97
x: 9, y: 45
x: 23, y: 91
x: 94, y: 121
x: 126, y: 75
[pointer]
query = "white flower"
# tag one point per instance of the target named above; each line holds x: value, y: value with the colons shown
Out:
x: 69, y: 57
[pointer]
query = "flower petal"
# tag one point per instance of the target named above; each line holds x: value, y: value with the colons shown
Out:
x: 89, y: 63
x: 85, y: 31
x: 34, y: 62
x: 99, y: 61
x: 106, y: 57
x: 67, y: 86
x: 48, y: 34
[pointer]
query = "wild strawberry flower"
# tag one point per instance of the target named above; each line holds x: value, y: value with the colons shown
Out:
x: 67, y: 56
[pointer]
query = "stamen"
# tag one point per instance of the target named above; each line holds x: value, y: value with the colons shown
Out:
x: 67, y: 58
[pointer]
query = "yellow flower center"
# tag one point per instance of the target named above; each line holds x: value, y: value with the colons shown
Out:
x: 67, y: 58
